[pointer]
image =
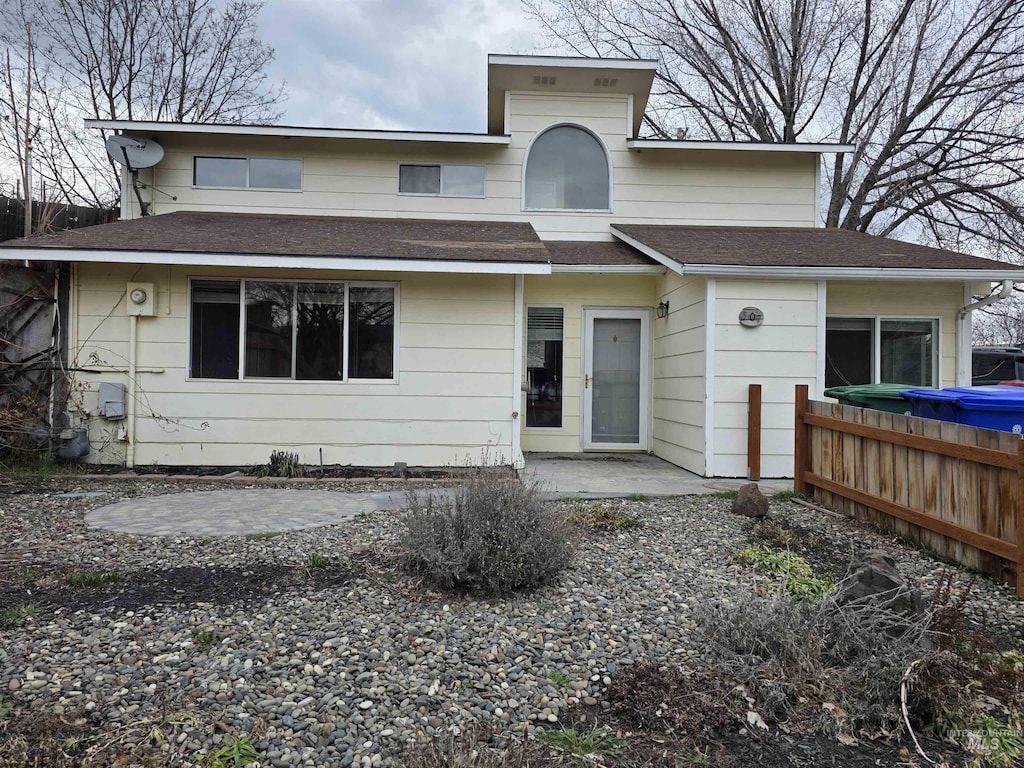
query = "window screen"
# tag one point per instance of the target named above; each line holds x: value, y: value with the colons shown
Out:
x: 462, y: 180
x: 371, y: 333
x: 214, y: 333
x: 908, y: 352
x: 419, y: 179
x: 848, y: 351
x: 544, y: 343
x: 220, y: 172
x: 567, y: 169
x: 275, y: 173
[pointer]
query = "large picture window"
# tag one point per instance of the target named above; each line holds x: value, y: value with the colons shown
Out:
x: 872, y: 350
x: 292, y: 330
x: 544, y: 343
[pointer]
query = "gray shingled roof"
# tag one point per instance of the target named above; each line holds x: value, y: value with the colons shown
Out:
x: 288, y: 235
x: 795, y: 247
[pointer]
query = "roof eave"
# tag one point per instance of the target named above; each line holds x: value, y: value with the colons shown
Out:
x: 921, y: 274
x: 286, y: 131
x: 740, y: 146
x: 196, y: 258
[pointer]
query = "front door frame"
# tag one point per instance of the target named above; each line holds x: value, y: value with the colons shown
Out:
x: 586, y: 380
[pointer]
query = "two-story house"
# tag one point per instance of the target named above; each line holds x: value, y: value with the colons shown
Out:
x: 554, y: 284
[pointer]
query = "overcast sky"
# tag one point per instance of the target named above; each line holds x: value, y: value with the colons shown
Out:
x: 413, y: 64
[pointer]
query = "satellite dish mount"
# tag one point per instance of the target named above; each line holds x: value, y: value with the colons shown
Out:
x: 135, y: 153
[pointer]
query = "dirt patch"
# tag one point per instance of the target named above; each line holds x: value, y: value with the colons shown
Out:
x: 47, y: 592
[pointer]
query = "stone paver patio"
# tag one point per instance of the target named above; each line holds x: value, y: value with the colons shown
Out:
x: 238, y: 512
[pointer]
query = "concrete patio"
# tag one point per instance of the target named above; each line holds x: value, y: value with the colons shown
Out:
x: 597, y: 475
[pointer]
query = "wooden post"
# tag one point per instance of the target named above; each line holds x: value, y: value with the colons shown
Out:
x: 1019, y: 515
x: 801, y: 458
x: 754, y: 432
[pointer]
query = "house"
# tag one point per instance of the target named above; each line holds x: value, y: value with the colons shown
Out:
x: 555, y: 284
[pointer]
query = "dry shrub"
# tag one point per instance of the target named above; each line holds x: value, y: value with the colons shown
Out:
x: 681, y: 702
x: 783, y: 536
x: 829, y: 667
x: 493, y: 535
x: 474, y: 748
x: 950, y: 623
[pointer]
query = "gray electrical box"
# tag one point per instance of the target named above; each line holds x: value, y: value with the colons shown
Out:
x: 111, y: 400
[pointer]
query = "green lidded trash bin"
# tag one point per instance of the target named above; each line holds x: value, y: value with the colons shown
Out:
x: 879, y: 397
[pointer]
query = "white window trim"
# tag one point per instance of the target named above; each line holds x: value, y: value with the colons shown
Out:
x: 420, y: 164
x: 526, y: 338
x: 248, y: 159
x: 876, y: 341
x: 242, y: 378
x: 608, y: 160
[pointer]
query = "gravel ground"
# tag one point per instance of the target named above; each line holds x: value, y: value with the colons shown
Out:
x: 346, y: 664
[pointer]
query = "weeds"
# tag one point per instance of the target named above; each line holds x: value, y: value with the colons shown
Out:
x: 236, y: 752
x: 783, y: 496
x: 94, y: 579
x: 780, y: 536
x: 493, y: 535
x: 317, y: 561
x: 798, y: 581
x: 5, y: 708
x: 582, y: 747
x: 560, y: 679
x: 205, y: 638
x: 12, y: 618
x: 263, y: 535
x: 600, y: 517
x: 730, y: 495
x: 472, y: 748
x: 281, y: 464
x: 638, y: 497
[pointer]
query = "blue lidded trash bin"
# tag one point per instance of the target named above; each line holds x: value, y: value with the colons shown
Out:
x: 990, y: 407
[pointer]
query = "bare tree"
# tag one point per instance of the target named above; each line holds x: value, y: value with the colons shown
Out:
x: 928, y: 92
x: 181, y: 60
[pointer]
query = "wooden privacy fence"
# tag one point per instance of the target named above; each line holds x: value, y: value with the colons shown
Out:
x: 956, y: 489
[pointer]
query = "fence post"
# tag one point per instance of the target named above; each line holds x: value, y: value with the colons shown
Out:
x: 801, y: 458
x: 1019, y: 517
x: 754, y: 432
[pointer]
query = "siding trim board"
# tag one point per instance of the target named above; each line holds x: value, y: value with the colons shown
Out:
x: 710, y: 325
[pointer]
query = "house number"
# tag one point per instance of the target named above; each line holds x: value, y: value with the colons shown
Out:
x: 751, y: 317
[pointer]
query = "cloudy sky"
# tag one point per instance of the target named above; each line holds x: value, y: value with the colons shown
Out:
x: 414, y: 64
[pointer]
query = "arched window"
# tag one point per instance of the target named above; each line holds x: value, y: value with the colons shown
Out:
x: 567, y: 169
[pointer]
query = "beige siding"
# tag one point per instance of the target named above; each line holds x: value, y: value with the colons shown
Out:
x: 573, y: 292
x: 778, y: 355
x: 451, y: 401
x: 360, y: 178
x: 679, y: 361
x: 910, y: 300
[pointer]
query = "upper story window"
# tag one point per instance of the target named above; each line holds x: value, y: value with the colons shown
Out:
x: 567, y: 169
x: 283, y: 173
x: 448, y: 180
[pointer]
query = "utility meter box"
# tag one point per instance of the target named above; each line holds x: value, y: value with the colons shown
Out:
x: 141, y: 299
x: 111, y: 400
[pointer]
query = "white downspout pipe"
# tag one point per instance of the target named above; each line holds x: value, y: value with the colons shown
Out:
x: 518, y: 461
x: 1004, y: 293
x: 965, y: 328
x: 129, y: 454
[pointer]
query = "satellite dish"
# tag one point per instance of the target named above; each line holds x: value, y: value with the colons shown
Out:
x: 134, y: 152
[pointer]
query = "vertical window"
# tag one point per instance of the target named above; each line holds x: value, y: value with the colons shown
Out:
x: 268, y: 329
x: 567, y: 169
x: 544, y: 341
x: 320, y: 320
x: 292, y: 330
x: 371, y: 333
x: 214, y: 335
x: 908, y: 352
x: 869, y: 350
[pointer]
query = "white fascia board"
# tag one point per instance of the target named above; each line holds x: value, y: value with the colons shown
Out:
x: 270, y: 260
x: 646, y: 250
x: 738, y: 146
x: 295, y: 132
x: 570, y: 62
x: 607, y: 269
x: 852, y: 273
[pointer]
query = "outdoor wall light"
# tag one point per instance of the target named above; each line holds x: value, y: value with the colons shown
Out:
x: 662, y: 309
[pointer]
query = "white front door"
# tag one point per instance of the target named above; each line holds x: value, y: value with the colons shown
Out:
x: 616, y: 378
